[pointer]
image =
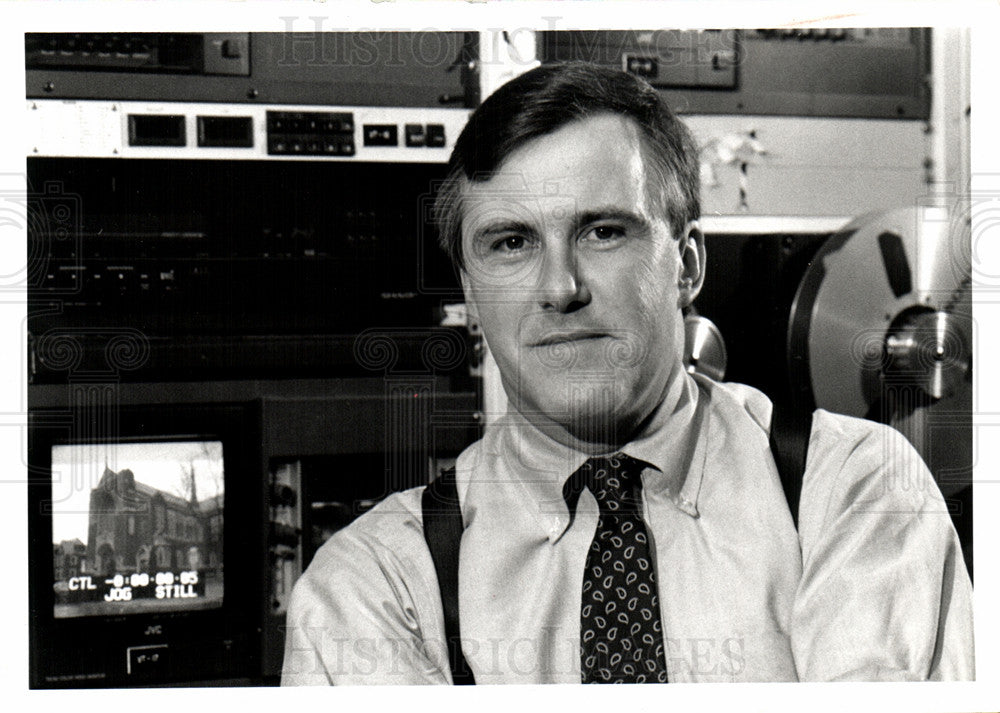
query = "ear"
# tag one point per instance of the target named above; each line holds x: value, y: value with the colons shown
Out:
x: 691, y: 275
x: 470, y: 301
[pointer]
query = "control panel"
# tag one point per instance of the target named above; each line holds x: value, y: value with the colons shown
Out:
x: 280, y: 267
x: 304, y: 64
x: 212, y: 53
x: 310, y: 133
x: 102, y: 129
x: 869, y: 36
x: 285, y: 532
x: 878, y: 73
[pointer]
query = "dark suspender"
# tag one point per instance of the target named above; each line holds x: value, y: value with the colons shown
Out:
x: 443, y: 532
x: 789, y: 438
x: 443, y: 522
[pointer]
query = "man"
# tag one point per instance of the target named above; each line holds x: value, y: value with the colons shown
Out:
x: 624, y: 521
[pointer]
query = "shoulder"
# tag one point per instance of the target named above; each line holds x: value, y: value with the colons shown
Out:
x: 393, y: 526
x: 842, y: 449
x: 393, y: 518
x: 368, y: 600
x: 736, y: 405
x: 831, y: 426
x: 380, y: 555
x: 858, y: 449
x: 867, y: 476
x: 852, y: 464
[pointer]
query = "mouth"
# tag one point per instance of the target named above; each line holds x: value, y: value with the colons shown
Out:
x: 568, y: 337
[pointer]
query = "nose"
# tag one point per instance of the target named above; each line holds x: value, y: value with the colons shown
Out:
x: 561, y: 286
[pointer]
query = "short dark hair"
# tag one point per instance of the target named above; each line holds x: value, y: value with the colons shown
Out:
x: 543, y: 100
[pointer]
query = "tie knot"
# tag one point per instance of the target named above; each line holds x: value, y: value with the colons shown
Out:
x: 613, y: 480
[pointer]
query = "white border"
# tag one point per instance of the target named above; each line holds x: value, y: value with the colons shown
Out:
x: 193, y: 15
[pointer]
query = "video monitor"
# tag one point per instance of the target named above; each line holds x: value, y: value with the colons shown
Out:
x: 137, y: 527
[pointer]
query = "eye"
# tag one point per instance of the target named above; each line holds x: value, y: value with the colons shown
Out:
x: 510, y: 243
x: 605, y: 233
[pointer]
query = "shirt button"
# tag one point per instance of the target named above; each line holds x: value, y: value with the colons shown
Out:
x: 686, y: 506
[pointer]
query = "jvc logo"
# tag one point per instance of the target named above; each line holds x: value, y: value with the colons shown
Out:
x: 154, y: 630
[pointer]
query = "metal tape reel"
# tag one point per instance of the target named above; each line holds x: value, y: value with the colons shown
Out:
x: 704, y: 348
x: 881, y: 327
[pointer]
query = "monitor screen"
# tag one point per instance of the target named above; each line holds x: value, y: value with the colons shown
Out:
x: 137, y: 527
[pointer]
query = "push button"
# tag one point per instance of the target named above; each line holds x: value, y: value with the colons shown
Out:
x: 232, y: 49
x: 146, y: 660
x: 415, y: 135
x: 435, y: 135
x: 380, y: 135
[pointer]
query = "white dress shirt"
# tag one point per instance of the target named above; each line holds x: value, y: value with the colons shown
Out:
x: 872, y: 585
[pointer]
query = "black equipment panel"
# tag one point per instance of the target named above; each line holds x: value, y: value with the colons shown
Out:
x: 275, y: 272
x: 162, y: 52
x: 401, y: 69
x: 851, y: 72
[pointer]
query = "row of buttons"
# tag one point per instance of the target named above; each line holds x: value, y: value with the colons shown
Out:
x: 88, y: 43
x: 309, y: 123
x: 416, y: 135
x: 309, y: 146
x: 310, y: 133
x: 114, y: 280
x: 838, y: 34
x: 432, y: 135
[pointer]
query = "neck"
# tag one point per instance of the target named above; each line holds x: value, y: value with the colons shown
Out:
x: 579, y: 439
x: 595, y: 434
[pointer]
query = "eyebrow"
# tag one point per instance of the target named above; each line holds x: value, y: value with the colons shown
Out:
x: 629, y: 218
x: 502, y: 227
x: 594, y: 215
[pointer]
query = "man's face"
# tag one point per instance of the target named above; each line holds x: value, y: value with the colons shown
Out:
x: 577, y: 281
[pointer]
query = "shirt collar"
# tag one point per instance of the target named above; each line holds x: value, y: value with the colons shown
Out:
x: 672, y: 441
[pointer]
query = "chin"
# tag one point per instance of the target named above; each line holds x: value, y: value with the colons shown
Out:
x: 591, y: 408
